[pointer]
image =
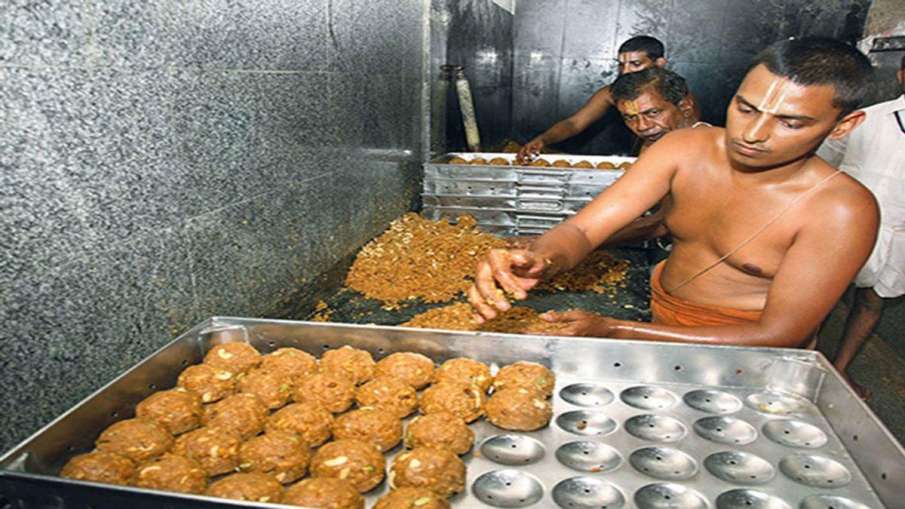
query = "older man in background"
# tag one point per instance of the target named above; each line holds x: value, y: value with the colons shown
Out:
x: 652, y: 103
x: 635, y: 54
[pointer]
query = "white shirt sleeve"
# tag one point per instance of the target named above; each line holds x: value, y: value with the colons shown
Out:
x: 833, y: 151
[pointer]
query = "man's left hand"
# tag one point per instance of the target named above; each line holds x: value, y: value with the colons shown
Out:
x: 580, y: 323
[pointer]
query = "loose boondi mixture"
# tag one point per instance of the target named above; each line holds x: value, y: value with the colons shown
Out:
x: 460, y: 316
x: 434, y: 261
x: 419, y: 258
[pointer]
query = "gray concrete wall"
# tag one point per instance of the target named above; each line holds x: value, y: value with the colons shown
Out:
x: 565, y: 50
x: 161, y: 162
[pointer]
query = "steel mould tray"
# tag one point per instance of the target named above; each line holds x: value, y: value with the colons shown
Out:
x: 499, y: 197
x: 636, y: 424
x: 550, y: 158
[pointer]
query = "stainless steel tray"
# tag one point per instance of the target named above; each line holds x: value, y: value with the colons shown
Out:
x: 513, y: 200
x: 636, y: 425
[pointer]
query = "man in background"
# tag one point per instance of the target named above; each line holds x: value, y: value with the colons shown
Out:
x: 874, y: 154
x: 636, y: 54
x: 652, y: 103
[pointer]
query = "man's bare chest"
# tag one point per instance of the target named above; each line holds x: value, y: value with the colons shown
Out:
x: 754, y: 229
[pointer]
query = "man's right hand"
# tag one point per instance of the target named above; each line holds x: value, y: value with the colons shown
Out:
x: 530, y: 150
x: 515, y: 270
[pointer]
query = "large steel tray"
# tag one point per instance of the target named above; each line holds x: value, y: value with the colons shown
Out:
x: 513, y: 200
x: 636, y: 424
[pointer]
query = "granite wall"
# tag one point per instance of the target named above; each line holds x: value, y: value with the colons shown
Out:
x: 162, y: 162
x: 476, y: 34
x: 886, y: 18
x: 566, y: 49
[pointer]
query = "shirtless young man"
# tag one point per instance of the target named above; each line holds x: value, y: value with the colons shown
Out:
x: 635, y: 54
x: 766, y: 236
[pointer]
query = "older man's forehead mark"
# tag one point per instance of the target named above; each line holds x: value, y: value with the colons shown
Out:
x: 631, y: 107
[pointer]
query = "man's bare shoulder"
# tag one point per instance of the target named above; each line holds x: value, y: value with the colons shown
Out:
x: 843, y: 200
x: 691, y: 140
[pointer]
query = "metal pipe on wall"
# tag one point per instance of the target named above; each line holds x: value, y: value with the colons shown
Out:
x: 466, y: 106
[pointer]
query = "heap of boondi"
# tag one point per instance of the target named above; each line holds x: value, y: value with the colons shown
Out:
x: 598, y: 273
x: 460, y: 316
x: 322, y: 312
x: 419, y: 258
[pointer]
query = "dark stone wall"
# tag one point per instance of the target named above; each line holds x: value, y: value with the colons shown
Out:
x: 566, y: 49
x: 478, y: 35
x: 163, y: 162
x: 886, y: 18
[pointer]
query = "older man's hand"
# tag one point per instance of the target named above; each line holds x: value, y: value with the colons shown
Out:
x: 530, y: 150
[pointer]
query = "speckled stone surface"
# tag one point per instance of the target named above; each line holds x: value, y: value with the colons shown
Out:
x: 161, y: 162
x: 412, y: 86
x: 257, y: 253
x: 142, y: 34
x: 77, y: 326
x: 263, y: 243
x: 495, y: 128
x: 369, y: 36
x: 293, y: 111
x: 230, y: 34
x: 51, y: 32
x: 384, y: 112
x: 107, y: 143
x: 346, y: 92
